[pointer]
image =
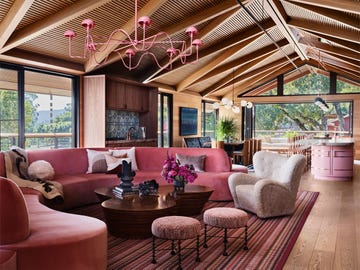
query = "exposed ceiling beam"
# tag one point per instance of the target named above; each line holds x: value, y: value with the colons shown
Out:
x: 334, y: 50
x: 214, y: 63
x: 232, y: 76
x: 270, y: 75
x: 328, y: 59
x: 347, y: 44
x: 50, y: 22
x: 316, y: 27
x: 275, y: 11
x: 151, y: 7
x: 12, y: 19
x: 221, y: 46
x: 349, y: 20
x: 342, y: 5
x: 205, y: 31
x: 243, y: 60
x: 36, y: 60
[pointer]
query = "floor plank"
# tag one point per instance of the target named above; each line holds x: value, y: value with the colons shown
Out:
x: 330, y: 238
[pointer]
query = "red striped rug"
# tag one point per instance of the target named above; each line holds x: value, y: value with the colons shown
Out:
x: 270, y: 242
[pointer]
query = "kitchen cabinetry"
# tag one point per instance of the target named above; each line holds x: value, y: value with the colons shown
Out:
x: 101, y: 93
x: 332, y: 161
x: 120, y: 96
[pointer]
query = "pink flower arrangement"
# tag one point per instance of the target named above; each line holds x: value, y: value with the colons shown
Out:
x: 172, y: 170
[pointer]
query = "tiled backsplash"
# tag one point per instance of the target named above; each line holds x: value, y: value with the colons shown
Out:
x: 118, y: 123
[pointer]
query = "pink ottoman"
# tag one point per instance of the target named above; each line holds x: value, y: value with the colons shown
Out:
x: 226, y: 218
x: 176, y: 228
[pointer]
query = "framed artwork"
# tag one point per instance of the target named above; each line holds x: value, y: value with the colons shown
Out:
x: 188, y: 121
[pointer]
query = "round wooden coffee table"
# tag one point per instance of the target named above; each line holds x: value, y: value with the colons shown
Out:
x: 132, y: 216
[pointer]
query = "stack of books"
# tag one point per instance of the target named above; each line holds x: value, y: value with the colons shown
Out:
x: 121, y: 193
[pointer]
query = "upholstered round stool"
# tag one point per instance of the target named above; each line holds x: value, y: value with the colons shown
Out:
x: 225, y: 218
x: 176, y: 228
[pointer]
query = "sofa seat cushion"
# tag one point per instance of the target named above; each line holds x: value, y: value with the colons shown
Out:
x: 14, y: 213
x: 7, y: 260
x: 80, y: 240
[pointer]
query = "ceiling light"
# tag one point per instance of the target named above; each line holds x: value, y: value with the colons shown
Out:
x: 321, y: 103
x: 135, y: 46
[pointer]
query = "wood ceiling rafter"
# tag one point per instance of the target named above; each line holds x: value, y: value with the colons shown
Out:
x: 223, y: 45
x: 341, y: 71
x: 40, y: 27
x: 343, y: 5
x: 232, y: 77
x: 261, y: 72
x: 277, y: 13
x: 151, y: 7
x: 316, y: 27
x: 36, y: 60
x: 353, y: 46
x: 243, y: 60
x: 214, y: 63
x: 339, y: 51
x: 249, y: 84
x: 331, y: 14
x: 12, y: 19
x: 218, y: 18
x: 338, y: 61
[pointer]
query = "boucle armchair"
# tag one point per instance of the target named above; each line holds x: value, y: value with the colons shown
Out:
x: 271, y: 190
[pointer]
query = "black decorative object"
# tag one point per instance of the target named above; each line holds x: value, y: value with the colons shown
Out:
x: 126, y: 176
x: 148, y: 187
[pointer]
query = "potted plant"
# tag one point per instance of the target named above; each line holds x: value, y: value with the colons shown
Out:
x: 226, y: 129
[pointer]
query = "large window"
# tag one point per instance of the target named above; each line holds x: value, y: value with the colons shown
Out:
x: 208, y: 120
x: 164, y: 120
x: 277, y: 120
x: 312, y: 83
x: 37, y: 109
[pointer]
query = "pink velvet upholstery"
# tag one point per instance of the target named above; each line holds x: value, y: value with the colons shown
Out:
x: 59, y: 240
x: 176, y: 227
x: 70, y: 167
x: 14, y: 213
x: 7, y: 260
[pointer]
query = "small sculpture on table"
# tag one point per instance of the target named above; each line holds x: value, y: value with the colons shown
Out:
x: 149, y: 187
x: 126, y: 186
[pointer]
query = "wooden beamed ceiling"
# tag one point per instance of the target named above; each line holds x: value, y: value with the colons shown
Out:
x: 246, y: 43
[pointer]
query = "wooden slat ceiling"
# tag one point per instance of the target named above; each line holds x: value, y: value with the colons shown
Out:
x: 246, y: 43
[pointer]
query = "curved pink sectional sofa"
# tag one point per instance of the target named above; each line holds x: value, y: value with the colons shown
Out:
x: 58, y: 240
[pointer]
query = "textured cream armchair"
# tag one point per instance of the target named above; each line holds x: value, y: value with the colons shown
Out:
x: 271, y: 191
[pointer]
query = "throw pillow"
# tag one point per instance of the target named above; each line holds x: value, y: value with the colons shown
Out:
x: 96, y: 161
x: 130, y: 154
x: 114, y: 164
x: 197, y: 161
x: 41, y: 169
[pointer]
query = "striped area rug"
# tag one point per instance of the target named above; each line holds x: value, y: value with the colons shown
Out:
x: 270, y: 242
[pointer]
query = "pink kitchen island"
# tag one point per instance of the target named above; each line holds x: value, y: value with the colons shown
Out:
x: 333, y: 159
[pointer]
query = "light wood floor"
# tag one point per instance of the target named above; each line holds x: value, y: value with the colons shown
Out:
x: 330, y: 238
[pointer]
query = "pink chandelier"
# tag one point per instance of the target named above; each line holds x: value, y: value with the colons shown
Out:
x: 134, y: 46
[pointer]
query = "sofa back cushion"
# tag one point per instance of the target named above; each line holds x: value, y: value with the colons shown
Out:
x: 150, y: 158
x: 216, y: 159
x: 14, y: 217
x: 64, y: 161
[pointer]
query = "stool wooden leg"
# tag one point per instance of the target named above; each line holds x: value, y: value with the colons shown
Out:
x: 153, y: 250
x: 197, y: 249
x: 172, y: 248
x: 205, y: 239
x: 225, y: 242
x: 246, y: 238
x: 179, y: 255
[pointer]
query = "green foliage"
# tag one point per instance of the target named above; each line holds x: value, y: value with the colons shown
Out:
x: 226, y: 128
x: 290, y: 134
